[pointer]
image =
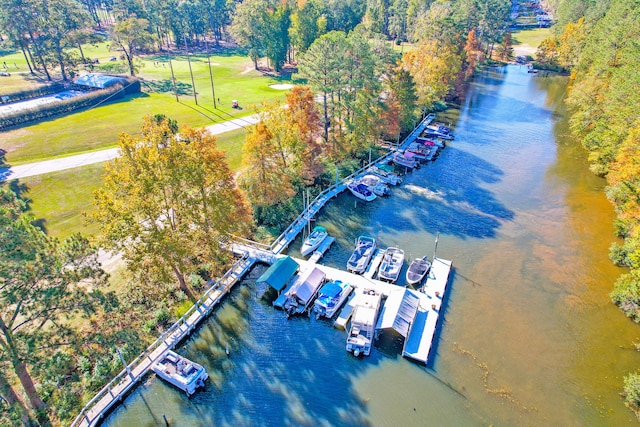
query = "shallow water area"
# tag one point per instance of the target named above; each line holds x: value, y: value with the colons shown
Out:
x: 528, y: 334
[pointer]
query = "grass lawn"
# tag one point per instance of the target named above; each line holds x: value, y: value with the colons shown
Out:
x: 97, y: 128
x: 531, y: 38
x: 59, y: 198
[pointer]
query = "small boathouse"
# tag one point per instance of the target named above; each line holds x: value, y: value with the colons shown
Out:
x: 279, y: 273
x: 397, y: 316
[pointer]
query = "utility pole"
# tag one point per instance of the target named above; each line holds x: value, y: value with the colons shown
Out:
x: 213, y: 91
x: 173, y: 77
x: 193, y: 84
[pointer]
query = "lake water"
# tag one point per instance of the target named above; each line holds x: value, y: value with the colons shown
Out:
x: 528, y: 335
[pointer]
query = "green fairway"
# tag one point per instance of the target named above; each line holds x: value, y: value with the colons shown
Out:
x: 97, y: 128
x: 20, y: 79
x: 59, y: 198
x: 530, y: 39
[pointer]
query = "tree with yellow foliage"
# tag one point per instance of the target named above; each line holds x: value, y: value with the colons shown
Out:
x: 433, y: 67
x: 164, y: 201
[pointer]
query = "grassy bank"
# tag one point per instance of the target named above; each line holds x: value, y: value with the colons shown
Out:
x: 58, y: 199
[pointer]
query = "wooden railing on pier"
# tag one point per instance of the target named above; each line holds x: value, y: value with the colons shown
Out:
x: 249, y: 252
x: 121, y: 384
x: 298, y: 224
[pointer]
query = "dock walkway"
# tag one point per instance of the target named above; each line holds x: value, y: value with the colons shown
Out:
x: 420, y: 338
x: 137, y: 369
x: 324, y: 246
x: 250, y: 252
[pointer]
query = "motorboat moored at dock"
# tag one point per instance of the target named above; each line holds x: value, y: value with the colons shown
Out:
x: 375, y: 184
x: 181, y: 372
x: 361, y: 191
x: 331, y: 297
x: 363, y: 323
x: 365, y: 247
x: 391, y: 264
x: 385, y: 172
x: 418, y: 268
x: 313, y: 240
x: 405, y: 159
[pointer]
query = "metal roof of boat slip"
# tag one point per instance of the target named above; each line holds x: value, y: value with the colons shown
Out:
x: 307, y: 284
x: 279, y: 273
x: 399, y: 311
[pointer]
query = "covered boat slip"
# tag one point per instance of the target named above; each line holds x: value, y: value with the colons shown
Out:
x: 418, y: 345
x: 306, y: 285
x: 398, y: 313
x: 279, y: 273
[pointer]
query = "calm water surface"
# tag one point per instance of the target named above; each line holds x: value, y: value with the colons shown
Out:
x: 528, y: 337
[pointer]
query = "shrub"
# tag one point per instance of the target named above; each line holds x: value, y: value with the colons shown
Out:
x: 90, y: 99
x: 632, y: 393
x: 626, y: 294
x: 33, y: 93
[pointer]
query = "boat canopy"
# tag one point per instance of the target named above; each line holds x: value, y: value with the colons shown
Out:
x: 399, y: 311
x: 319, y: 228
x: 278, y: 275
x: 331, y: 289
x: 307, y: 284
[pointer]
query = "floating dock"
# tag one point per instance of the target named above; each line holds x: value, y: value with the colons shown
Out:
x: 372, y: 269
x: 420, y: 338
x: 324, y: 246
x: 346, y: 312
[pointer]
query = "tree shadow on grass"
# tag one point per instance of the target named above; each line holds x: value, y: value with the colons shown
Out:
x: 20, y: 189
x: 165, y: 86
x: 13, y: 184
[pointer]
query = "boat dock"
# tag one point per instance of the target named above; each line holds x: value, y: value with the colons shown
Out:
x: 420, y: 338
x: 117, y: 388
x: 372, y: 269
x: 324, y: 246
x: 249, y: 253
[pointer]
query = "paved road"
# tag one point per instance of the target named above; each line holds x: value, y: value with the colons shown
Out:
x: 70, y: 162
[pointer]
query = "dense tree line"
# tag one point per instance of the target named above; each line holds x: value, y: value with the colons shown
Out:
x: 597, y: 42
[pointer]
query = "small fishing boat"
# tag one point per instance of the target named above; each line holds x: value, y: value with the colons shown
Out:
x: 439, y: 126
x: 181, y: 372
x: 365, y: 247
x: 419, y: 151
x: 405, y: 159
x: 375, y: 184
x: 391, y: 264
x: 437, y: 133
x: 417, y: 270
x: 361, y: 191
x: 313, y: 240
x: 431, y: 142
x: 331, y: 297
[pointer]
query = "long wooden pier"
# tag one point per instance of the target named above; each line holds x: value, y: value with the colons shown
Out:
x: 249, y: 252
x: 121, y: 384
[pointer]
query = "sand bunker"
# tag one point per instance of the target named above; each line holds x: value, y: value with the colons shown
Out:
x: 281, y: 86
